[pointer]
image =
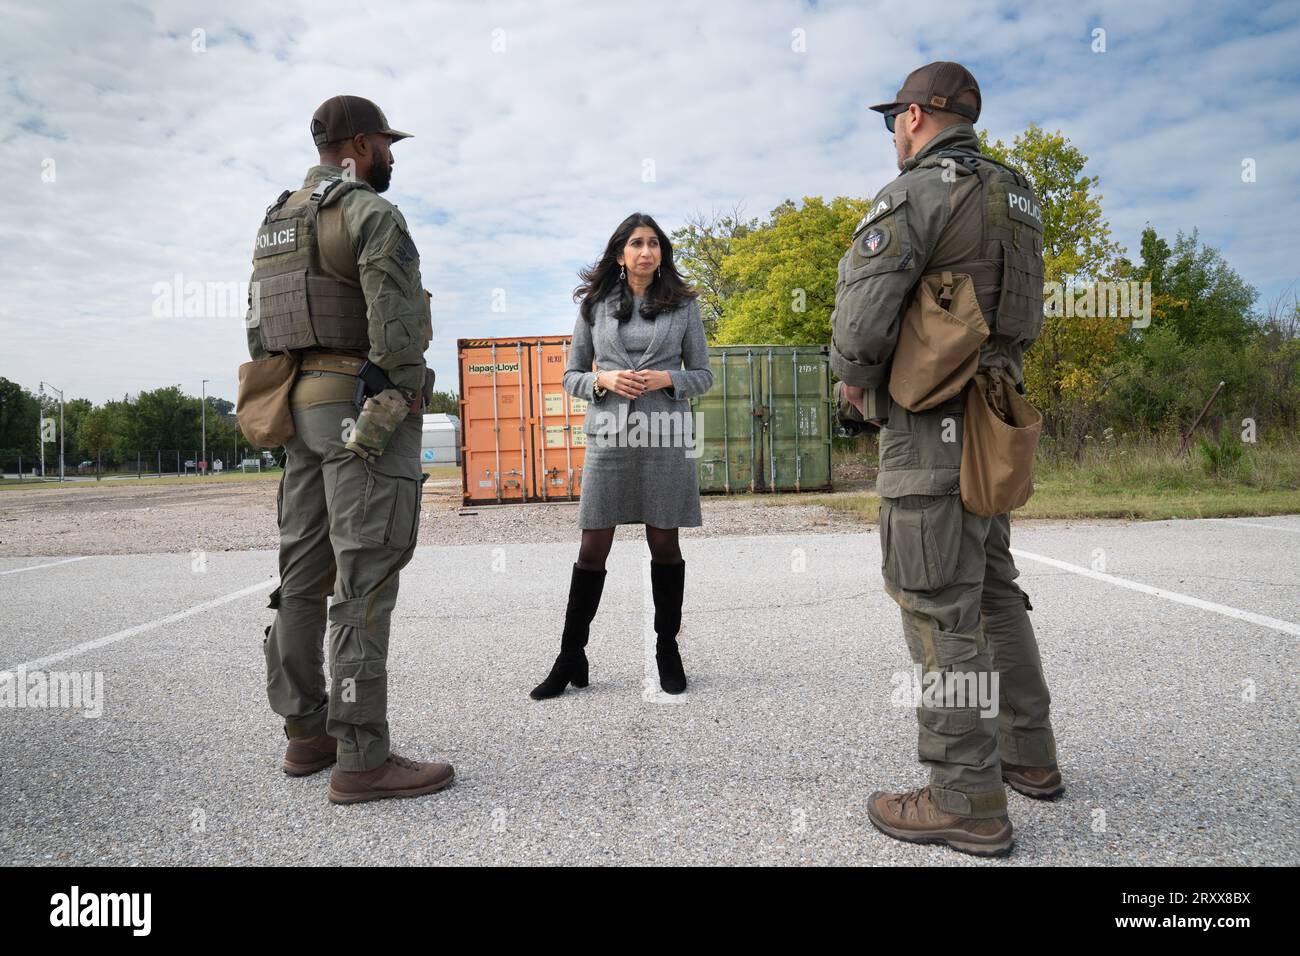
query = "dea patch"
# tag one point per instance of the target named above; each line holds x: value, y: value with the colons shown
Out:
x: 882, y: 206
x: 275, y: 238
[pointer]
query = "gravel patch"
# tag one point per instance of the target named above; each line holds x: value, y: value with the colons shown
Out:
x: 137, y: 518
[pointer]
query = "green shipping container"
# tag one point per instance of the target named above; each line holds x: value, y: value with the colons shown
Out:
x: 766, y: 423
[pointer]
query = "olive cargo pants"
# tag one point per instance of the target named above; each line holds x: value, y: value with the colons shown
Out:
x: 347, y: 527
x: 953, y: 576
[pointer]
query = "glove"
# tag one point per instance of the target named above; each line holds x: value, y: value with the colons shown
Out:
x: 848, y: 419
x: 379, y: 419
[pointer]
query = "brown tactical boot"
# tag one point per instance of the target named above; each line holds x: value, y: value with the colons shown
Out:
x: 306, y: 755
x: 1042, y: 783
x: 913, y: 817
x: 395, y: 777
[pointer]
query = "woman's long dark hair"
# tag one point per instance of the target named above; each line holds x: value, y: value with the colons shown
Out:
x: 667, y: 290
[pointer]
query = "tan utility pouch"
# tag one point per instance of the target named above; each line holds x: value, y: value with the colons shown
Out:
x: 263, y: 401
x: 938, y: 343
x: 998, y: 441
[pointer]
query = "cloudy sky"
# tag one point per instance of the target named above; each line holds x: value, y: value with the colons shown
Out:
x: 136, y: 150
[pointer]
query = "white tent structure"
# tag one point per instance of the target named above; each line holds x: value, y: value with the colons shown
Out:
x: 441, y: 443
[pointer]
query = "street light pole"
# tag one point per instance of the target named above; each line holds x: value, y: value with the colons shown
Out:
x: 40, y: 425
x: 203, y: 418
x: 60, y: 391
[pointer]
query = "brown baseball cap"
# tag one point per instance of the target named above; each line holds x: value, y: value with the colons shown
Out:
x: 342, y: 117
x: 937, y: 85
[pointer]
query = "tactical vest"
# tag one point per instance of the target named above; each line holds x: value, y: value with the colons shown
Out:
x: 305, y: 273
x: 1007, y: 265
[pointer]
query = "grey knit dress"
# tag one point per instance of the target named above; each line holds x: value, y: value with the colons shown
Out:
x: 625, y: 484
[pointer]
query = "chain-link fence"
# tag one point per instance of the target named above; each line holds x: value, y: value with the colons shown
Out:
x: 164, y: 462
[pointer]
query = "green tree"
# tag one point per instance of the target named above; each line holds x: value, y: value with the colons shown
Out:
x: 120, y: 447
x: 1277, y: 347
x: 1205, y: 298
x: 1202, y: 332
x: 699, y: 249
x: 221, y: 427
x: 74, y: 414
x: 444, y: 403
x: 99, y: 430
x: 163, y: 418
x: 784, y: 271
x: 19, y: 423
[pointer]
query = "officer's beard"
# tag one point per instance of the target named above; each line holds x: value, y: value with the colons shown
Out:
x: 381, y: 174
x: 902, y: 146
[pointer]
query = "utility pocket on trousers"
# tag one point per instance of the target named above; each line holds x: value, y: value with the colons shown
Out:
x: 418, y: 488
x: 920, y: 542
x: 897, y: 449
x: 941, y: 730
x: 390, y: 513
x: 952, y: 649
x: 939, y: 438
x: 360, y: 691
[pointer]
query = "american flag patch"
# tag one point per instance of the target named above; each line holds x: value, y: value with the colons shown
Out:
x: 873, y: 241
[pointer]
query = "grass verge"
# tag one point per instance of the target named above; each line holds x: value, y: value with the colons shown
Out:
x: 1139, y: 479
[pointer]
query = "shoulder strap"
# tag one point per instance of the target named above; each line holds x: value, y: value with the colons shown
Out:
x: 974, y: 159
x: 276, y: 205
x: 329, y: 191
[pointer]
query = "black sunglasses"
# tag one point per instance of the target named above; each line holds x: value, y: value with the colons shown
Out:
x: 889, y: 117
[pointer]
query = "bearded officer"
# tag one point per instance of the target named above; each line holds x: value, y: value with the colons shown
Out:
x: 951, y: 572
x: 337, y: 280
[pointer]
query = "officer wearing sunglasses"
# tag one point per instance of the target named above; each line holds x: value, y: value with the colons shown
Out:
x: 951, y: 211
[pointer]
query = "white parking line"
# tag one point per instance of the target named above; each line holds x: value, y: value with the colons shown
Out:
x: 1256, y: 524
x: 43, y: 662
x: 37, y: 567
x: 1285, y: 627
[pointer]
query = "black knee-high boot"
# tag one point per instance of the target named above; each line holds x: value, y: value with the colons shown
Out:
x: 668, y: 581
x: 571, y: 666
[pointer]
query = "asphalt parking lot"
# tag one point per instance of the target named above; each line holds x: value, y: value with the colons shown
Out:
x: 1170, y: 649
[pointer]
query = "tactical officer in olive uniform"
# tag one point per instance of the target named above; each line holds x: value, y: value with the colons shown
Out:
x: 337, y: 280
x: 950, y: 571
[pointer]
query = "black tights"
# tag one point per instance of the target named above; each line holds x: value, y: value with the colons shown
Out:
x: 596, y: 543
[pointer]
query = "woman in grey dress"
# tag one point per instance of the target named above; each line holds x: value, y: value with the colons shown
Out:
x: 639, y: 326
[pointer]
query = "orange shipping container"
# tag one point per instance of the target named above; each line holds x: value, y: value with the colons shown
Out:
x: 522, y: 437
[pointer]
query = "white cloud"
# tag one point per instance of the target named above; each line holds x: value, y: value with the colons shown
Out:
x: 525, y: 160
